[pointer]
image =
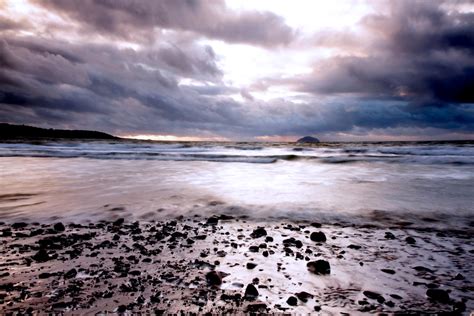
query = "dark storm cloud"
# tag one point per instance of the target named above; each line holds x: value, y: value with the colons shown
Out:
x: 127, y: 19
x: 416, y: 73
x: 419, y: 51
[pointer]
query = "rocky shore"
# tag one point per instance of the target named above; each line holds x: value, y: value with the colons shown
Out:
x: 233, y: 265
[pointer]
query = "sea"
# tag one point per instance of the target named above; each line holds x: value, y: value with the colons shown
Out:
x: 387, y: 183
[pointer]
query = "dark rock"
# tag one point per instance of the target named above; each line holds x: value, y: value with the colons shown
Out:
x: 410, y: 240
x: 254, y: 248
x: 268, y: 239
x: 319, y: 267
x: 459, y: 276
x: 317, y: 308
x: 396, y: 296
x: 41, y: 256
x: 389, y: 271
x: 259, y: 232
x: 389, y: 235
x: 122, y: 309
x: 214, y: 278
x: 256, y: 308
x: 251, y: 265
x: 308, y: 140
x: 44, y: 275
x: 59, y: 227
x: 212, y: 220
x: 292, y: 301
x: 318, y: 237
x: 374, y: 296
x: 317, y: 225
x: 304, y: 296
x: 356, y: 247
x: 438, y: 295
x: 70, y: 274
x: 19, y: 225
x: 423, y: 269
x: 119, y: 222
x: 251, y: 292
x: 290, y: 242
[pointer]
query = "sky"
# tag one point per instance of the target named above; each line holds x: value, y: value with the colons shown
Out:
x: 267, y: 70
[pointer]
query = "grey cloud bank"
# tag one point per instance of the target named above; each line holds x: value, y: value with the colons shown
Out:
x: 415, y: 78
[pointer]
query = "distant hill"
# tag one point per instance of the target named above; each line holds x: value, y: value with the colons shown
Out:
x: 10, y: 131
x: 308, y: 139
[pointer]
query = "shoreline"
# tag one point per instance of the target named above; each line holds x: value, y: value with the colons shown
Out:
x: 224, y: 264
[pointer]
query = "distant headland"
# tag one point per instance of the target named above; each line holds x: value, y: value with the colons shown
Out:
x: 11, y: 131
x: 308, y: 140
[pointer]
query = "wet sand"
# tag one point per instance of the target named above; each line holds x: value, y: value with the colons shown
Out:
x: 234, y: 265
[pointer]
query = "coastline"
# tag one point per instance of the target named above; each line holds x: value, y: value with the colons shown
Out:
x: 215, y: 264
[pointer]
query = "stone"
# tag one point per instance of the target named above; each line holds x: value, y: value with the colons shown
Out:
x: 292, y: 301
x: 251, y: 292
x: 251, y: 265
x: 59, y: 227
x: 304, y: 296
x: 374, y: 296
x: 41, y: 256
x: 259, y: 232
x: 214, y: 278
x: 70, y: 274
x: 438, y: 295
x: 318, y: 237
x: 319, y: 267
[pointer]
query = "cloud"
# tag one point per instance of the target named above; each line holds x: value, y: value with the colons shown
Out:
x: 418, y: 52
x: 212, y: 19
x: 412, y: 72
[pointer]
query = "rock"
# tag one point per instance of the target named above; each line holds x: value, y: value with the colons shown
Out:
x: 254, y: 248
x: 256, y: 308
x: 317, y: 308
x: 389, y: 271
x: 268, y: 239
x: 308, y: 140
x: 319, y: 267
x: 356, y: 247
x: 317, y: 225
x: 121, y: 309
x: 214, y: 278
x: 410, y: 240
x: 318, y: 237
x: 423, y: 269
x: 389, y: 235
x: 438, y: 295
x: 212, y: 220
x: 19, y: 225
x: 374, y: 296
x: 41, y: 256
x: 259, y: 232
x: 459, y: 276
x: 251, y: 292
x: 290, y: 242
x: 292, y: 301
x: 304, y: 296
x: 251, y: 265
x: 59, y: 227
x: 44, y: 275
x: 70, y: 274
x: 119, y: 222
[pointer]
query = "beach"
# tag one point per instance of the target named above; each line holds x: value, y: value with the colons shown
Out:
x: 128, y: 227
x: 223, y: 264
